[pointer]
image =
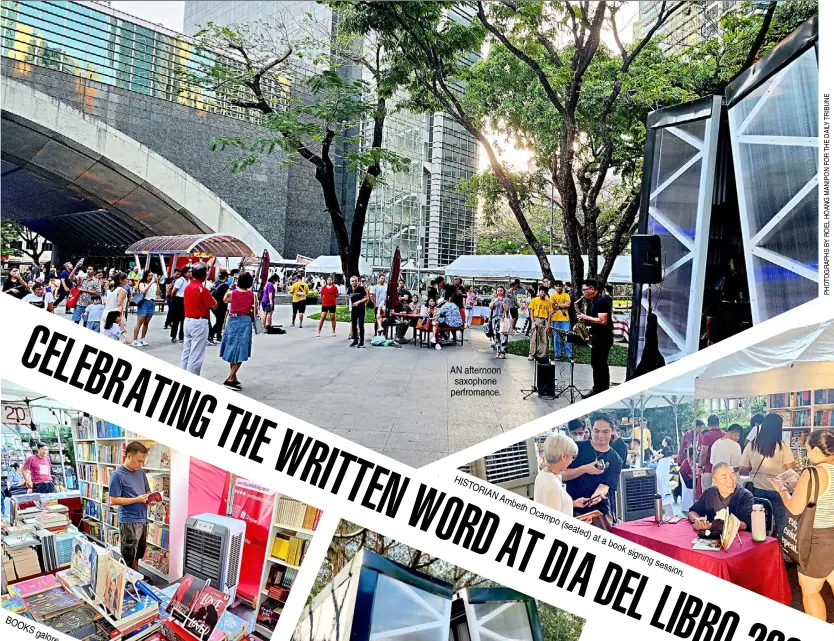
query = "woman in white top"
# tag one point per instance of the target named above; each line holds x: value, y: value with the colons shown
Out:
x: 766, y: 457
x: 820, y: 566
x: 148, y: 288
x: 116, y: 299
x: 559, y: 451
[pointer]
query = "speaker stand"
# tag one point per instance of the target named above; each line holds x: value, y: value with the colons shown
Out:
x: 571, y: 387
x: 535, y: 389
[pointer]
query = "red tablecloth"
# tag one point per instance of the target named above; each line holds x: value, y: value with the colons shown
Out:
x: 755, y: 566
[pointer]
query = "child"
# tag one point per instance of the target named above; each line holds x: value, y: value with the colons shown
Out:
x: 92, y: 315
x: 112, y: 325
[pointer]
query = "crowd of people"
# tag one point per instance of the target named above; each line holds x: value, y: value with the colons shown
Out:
x: 713, y: 469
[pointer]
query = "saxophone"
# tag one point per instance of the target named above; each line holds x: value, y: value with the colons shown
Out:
x: 580, y: 328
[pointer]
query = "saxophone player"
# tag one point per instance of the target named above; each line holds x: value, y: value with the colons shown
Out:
x: 600, y: 319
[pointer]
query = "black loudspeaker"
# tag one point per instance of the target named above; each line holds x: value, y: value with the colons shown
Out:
x: 545, y: 379
x: 645, y: 259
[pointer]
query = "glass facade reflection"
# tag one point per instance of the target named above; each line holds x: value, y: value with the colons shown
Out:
x: 103, y: 45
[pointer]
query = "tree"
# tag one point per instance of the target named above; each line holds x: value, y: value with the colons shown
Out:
x: 30, y: 241
x: 11, y: 230
x: 438, y: 52
x: 308, y: 126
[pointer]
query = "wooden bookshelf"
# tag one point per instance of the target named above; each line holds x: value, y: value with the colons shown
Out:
x: 99, y: 449
x: 802, y: 412
x: 291, y: 519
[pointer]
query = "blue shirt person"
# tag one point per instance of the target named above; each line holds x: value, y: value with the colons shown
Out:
x: 129, y: 490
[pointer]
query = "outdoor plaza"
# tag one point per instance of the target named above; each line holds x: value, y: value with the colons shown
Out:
x: 396, y: 401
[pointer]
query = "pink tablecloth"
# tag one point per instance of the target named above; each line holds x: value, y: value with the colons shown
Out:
x: 755, y: 566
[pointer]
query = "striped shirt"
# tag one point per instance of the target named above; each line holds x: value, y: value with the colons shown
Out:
x: 824, y: 517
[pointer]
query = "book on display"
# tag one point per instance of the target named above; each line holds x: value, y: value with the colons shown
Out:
x: 31, y: 587
x: 206, y: 611
x: 49, y: 604
x: 114, y: 587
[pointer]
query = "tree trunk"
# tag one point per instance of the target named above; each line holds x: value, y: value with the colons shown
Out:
x: 363, y: 196
x: 325, y: 177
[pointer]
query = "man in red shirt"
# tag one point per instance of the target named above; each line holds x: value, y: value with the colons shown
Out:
x: 329, y: 294
x: 197, y: 302
x: 712, y: 435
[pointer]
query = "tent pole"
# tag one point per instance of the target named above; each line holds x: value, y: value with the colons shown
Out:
x: 642, y: 410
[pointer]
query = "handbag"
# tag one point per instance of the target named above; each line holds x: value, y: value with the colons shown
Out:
x: 748, y: 484
x: 72, y: 299
x: 138, y: 297
x: 506, y: 325
x: 799, y: 529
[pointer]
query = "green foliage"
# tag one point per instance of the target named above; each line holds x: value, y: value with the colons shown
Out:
x: 618, y: 355
x: 558, y: 625
x: 343, y: 315
x: 713, y: 62
x: 10, y: 231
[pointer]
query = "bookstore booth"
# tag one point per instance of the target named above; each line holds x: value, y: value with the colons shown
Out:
x: 220, y: 552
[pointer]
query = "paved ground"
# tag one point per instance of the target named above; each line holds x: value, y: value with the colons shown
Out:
x: 395, y: 401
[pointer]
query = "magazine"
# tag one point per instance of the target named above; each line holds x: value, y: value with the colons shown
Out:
x: 115, y: 581
x: 206, y: 612
x: 788, y: 479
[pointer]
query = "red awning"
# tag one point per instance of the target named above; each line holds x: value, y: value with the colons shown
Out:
x: 220, y: 245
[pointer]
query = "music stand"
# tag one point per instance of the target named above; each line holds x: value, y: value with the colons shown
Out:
x: 573, y: 339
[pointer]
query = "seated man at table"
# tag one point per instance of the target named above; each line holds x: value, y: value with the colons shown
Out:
x: 447, y: 315
x: 403, y: 323
x: 723, y: 493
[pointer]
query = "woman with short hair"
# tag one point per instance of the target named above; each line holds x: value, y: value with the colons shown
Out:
x: 559, y: 451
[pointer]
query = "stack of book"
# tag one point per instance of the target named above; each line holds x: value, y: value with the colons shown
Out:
x: 23, y: 562
x: 279, y: 582
x: 56, y: 549
x: 296, y: 514
x: 54, y: 518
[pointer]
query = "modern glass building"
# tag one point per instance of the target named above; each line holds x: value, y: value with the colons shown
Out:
x: 418, y: 211
x: 100, y: 44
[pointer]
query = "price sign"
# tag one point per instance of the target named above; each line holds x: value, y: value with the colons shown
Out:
x: 16, y: 414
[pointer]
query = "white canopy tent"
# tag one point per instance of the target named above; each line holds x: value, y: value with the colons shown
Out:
x: 526, y: 267
x: 333, y: 265
x: 802, y: 358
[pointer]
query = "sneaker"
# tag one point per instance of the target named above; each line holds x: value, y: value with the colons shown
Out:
x: 353, y: 344
x: 179, y: 340
x: 136, y: 343
x: 229, y: 383
x: 437, y: 346
x: 210, y: 341
x: 361, y: 345
x: 292, y: 324
x: 144, y: 342
x: 334, y: 335
x: 173, y: 340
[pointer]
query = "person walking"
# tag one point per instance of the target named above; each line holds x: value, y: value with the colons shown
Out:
x: 379, y: 298
x: 499, y: 311
x: 268, y: 301
x: 197, y: 301
x: 540, y: 310
x: 818, y: 569
x: 358, y: 300
x: 236, y: 345
x: 178, y: 305
x: 767, y: 456
x: 218, y: 292
x: 299, y: 290
x: 329, y: 294
x: 146, y: 292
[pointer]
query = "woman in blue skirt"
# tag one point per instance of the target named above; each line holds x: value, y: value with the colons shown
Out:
x: 237, y: 337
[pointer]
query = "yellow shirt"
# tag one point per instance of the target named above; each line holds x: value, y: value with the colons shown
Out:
x: 540, y: 308
x: 646, y: 434
x: 560, y: 299
x: 299, y: 291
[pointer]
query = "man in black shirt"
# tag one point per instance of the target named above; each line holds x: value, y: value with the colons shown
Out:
x: 619, y: 446
x: 454, y: 292
x: 595, y: 472
x: 599, y: 318
x: 358, y: 299
x: 723, y: 493
x: 218, y: 292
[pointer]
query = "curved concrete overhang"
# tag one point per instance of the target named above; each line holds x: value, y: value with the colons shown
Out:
x: 103, y: 167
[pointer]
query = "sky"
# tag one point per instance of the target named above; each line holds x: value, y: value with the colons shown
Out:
x: 170, y: 14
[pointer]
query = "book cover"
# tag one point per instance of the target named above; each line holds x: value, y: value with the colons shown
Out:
x: 114, y: 587
x: 80, y: 617
x: 183, y: 599
x: 49, y: 604
x: 206, y: 612
x: 13, y: 604
x: 32, y: 587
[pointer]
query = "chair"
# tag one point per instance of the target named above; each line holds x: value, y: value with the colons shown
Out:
x: 770, y: 523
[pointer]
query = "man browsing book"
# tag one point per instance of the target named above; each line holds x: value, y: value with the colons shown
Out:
x: 130, y: 490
